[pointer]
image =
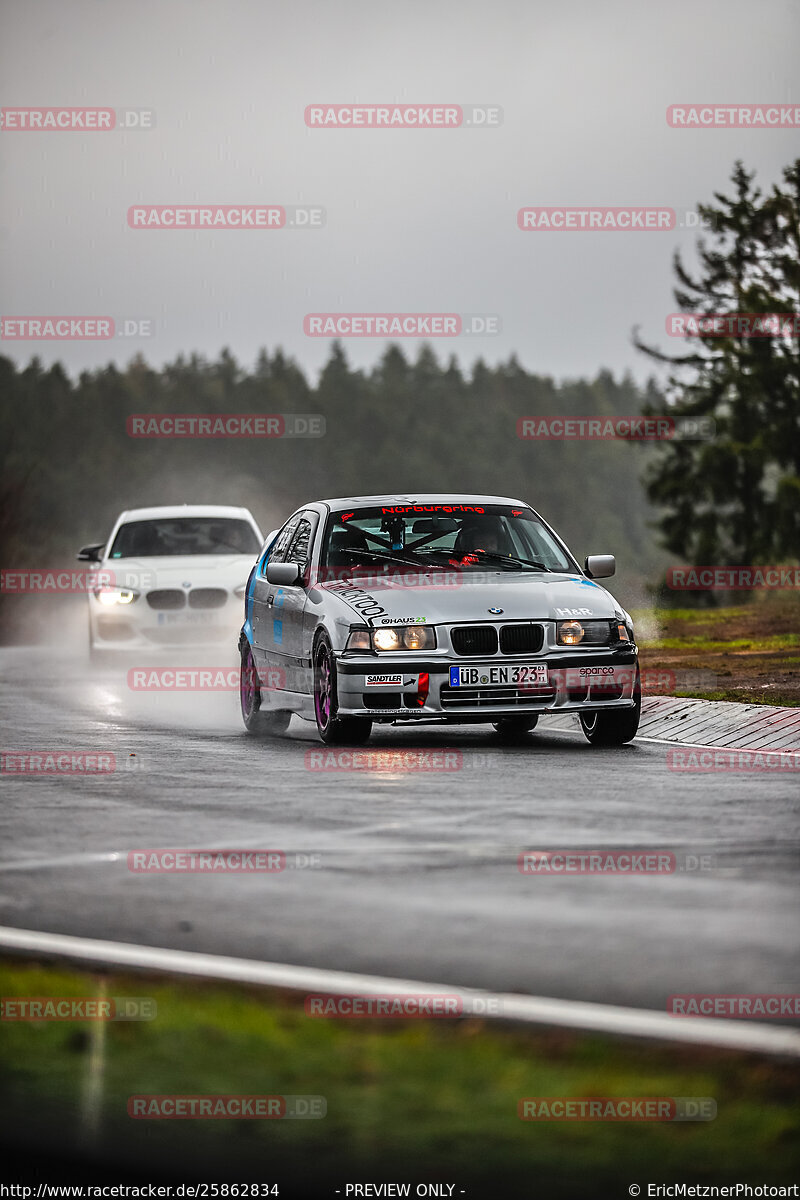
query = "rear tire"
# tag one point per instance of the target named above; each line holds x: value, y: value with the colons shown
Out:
x: 614, y: 728
x: 257, y: 722
x: 333, y: 729
x: 514, y: 729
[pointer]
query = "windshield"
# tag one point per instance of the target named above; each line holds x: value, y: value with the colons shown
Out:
x: 184, y: 535
x: 463, y: 537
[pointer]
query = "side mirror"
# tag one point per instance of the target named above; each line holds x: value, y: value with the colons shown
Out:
x: 600, y: 566
x: 91, y: 553
x: 285, y: 574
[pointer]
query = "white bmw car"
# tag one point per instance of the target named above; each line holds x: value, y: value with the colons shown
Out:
x: 418, y: 608
x: 170, y: 577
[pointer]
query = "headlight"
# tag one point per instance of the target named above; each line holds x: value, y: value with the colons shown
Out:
x: 109, y: 596
x: 419, y: 637
x: 404, y: 637
x: 387, y: 639
x: 591, y: 633
x: 392, y: 638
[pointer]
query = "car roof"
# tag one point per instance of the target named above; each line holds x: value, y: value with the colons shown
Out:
x: 168, y: 511
x: 419, y: 498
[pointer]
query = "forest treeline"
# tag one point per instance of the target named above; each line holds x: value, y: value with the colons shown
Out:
x: 409, y: 424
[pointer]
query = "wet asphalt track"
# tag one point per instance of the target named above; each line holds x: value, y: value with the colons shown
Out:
x: 417, y: 872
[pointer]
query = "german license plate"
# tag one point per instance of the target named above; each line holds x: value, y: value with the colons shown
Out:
x: 187, y: 618
x: 522, y: 675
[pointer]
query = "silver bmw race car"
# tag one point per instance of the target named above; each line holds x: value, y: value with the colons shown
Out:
x: 432, y: 608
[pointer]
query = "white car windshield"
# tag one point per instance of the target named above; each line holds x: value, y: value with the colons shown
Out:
x: 165, y: 537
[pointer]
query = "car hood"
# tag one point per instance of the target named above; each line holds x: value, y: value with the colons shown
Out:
x: 458, y: 597
x: 181, y: 571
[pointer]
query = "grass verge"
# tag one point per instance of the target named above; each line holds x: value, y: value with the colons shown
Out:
x: 748, y: 653
x: 409, y: 1100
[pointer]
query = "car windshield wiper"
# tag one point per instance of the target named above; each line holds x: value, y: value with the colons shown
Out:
x: 384, y: 557
x: 514, y: 562
x: 503, y: 558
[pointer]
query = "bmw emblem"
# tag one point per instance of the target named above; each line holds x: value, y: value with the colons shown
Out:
x: 187, y: 585
x: 495, y: 611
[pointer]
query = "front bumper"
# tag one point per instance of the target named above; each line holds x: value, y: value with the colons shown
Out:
x: 392, y: 688
x: 141, y: 628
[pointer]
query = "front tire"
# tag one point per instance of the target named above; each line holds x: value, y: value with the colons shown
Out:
x: 97, y: 657
x: 333, y: 729
x: 257, y: 722
x: 614, y: 728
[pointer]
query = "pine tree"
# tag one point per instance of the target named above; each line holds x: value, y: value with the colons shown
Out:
x: 736, y: 497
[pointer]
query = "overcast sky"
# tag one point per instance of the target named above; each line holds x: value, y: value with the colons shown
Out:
x: 416, y: 220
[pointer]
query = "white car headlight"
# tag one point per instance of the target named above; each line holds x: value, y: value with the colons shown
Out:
x: 108, y: 596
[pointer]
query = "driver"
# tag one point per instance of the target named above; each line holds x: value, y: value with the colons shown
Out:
x: 479, y: 537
